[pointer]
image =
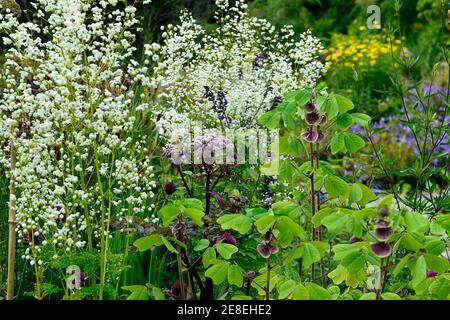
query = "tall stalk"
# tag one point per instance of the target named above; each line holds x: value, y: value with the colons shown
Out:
x: 209, y: 289
x: 267, y: 288
x: 12, y: 225
x: 313, y: 206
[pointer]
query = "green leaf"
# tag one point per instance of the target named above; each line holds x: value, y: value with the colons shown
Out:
x: 353, y: 142
x: 195, y: 215
x: 300, y: 293
x: 310, y: 255
x: 326, y: 167
x: 241, y: 297
x: 303, y: 96
x: 169, y: 213
x: 270, y: 120
x: 367, y: 195
x: 201, y: 245
x: 287, y: 208
x: 436, y: 228
x: 316, y: 292
x: 270, y: 168
x: 168, y: 245
x: 238, y: 222
x: 318, y: 217
x: 286, y: 224
x: 344, y: 121
x: 285, y: 171
x: 440, y: 288
x: 338, y: 143
x: 338, y: 275
x: 419, y: 272
x: 192, y: 203
x: 288, y: 120
x: 286, y: 288
x: 336, y: 222
x: 235, y: 275
x: 331, y: 107
x: 434, y: 246
x: 137, y: 292
x: 368, y: 296
x: 158, y: 294
x: 145, y: 243
x: 356, y: 194
x: 354, y: 262
x: 443, y: 220
x: 264, y: 223
x: 344, y: 103
x: 390, y: 296
x: 361, y: 119
x: 416, y: 222
x: 218, y: 272
x: 209, y: 257
x: 437, y: 264
x: 401, y: 264
x: 409, y: 242
x: 335, y: 186
x: 226, y: 250
x: 342, y: 250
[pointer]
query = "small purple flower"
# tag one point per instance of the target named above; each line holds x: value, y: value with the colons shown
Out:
x: 250, y: 275
x: 355, y: 239
x: 323, y: 196
x: 320, y: 137
x: 310, y: 136
x: 323, y: 120
x: 310, y: 107
x: 312, y: 118
x: 384, y: 211
x: 30, y: 235
x: 431, y: 273
x: 169, y: 188
x: 269, y: 237
x: 267, y: 249
x: 225, y: 237
x: 381, y: 249
x: 176, y: 289
x: 383, y: 233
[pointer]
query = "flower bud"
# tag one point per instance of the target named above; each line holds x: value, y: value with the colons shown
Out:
x: 267, y: 249
x: 381, y: 249
x: 310, y: 107
x: 384, y: 211
x: 170, y: 188
x: 320, y: 137
x: 312, y: 118
x: 310, y: 136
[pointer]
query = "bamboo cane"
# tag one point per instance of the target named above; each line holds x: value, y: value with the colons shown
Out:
x: 12, y: 226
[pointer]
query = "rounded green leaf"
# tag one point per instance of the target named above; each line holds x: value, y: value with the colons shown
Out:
x: 335, y: 186
x: 226, y: 250
x: 235, y: 276
x: 238, y: 222
x: 316, y: 292
x: 218, y: 272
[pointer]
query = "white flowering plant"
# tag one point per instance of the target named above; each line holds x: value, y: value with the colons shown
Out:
x: 74, y: 119
x: 226, y: 79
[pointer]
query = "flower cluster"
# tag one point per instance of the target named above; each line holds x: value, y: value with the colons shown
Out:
x: 350, y: 51
x: 397, y: 138
x: 230, y: 77
x: 268, y: 246
x: 314, y: 133
x: 383, y: 231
